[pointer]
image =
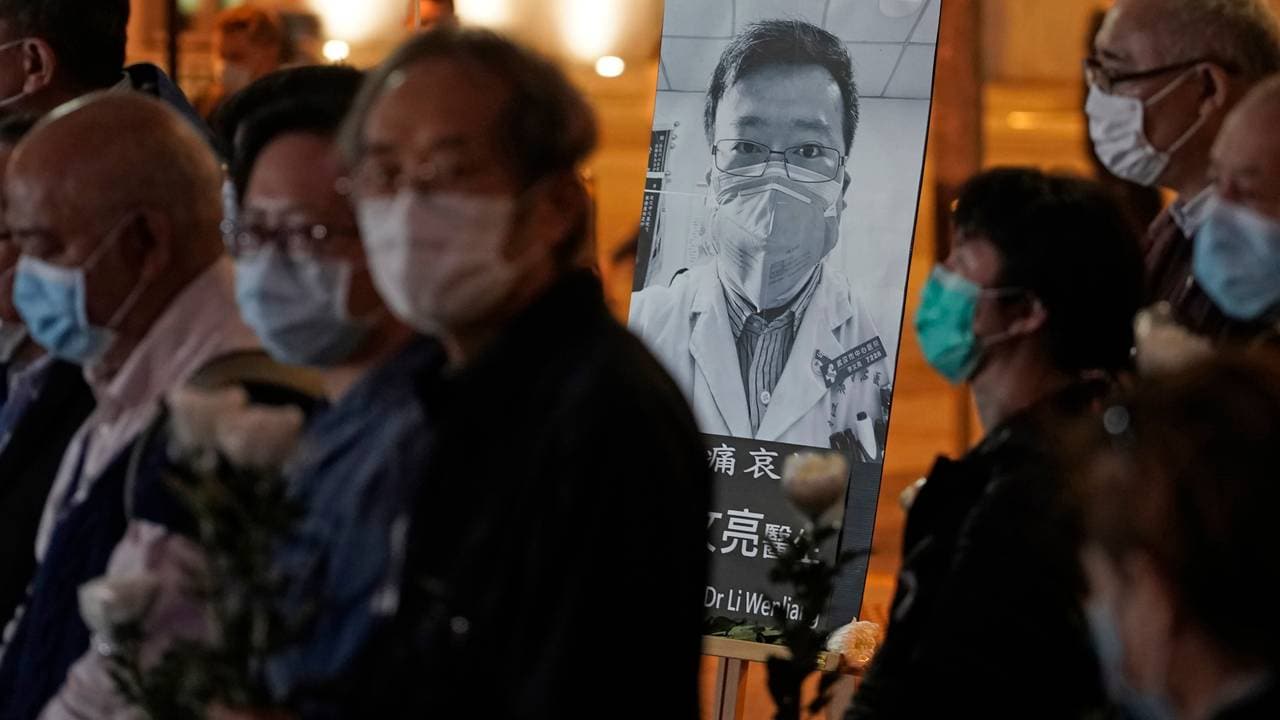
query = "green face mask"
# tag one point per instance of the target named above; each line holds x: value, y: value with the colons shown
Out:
x: 944, y: 324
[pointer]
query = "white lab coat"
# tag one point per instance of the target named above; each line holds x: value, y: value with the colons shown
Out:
x: 687, y: 327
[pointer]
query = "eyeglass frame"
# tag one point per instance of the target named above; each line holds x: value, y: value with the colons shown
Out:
x: 1093, y: 69
x: 309, y: 240
x: 715, y: 152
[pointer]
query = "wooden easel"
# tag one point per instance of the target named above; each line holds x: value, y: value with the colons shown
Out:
x: 733, y: 660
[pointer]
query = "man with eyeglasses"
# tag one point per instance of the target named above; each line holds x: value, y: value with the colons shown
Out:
x: 1163, y: 76
x: 768, y: 340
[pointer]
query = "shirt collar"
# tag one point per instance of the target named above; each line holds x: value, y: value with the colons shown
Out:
x: 740, y: 309
x: 201, y: 323
x: 1190, y: 215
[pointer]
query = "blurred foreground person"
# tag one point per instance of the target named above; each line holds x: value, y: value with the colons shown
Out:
x: 565, y: 474
x: 1180, y: 543
x: 987, y: 614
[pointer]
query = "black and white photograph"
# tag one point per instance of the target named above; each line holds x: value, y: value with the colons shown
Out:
x: 787, y: 153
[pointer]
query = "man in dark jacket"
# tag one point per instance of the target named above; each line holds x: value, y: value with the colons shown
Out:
x: 556, y: 548
x: 53, y: 51
x: 987, y: 618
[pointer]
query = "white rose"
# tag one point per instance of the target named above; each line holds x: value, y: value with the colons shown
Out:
x: 194, y: 414
x: 109, y: 602
x: 260, y: 436
x: 815, y: 482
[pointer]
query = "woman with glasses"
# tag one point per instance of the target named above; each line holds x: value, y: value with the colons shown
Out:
x: 1180, y: 548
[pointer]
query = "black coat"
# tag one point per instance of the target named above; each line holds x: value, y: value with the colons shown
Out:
x: 557, y: 559
x: 987, y: 619
x: 28, y: 465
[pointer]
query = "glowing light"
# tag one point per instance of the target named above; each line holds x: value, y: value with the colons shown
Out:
x: 484, y: 12
x: 590, y: 26
x: 359, y: 20
x: 610, y: 66
x: 335, y: 51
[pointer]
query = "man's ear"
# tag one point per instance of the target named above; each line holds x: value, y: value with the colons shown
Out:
x: 1216, y: 89
x: 39, y: 63
x: 149, y: 243
x: 1033, y: 320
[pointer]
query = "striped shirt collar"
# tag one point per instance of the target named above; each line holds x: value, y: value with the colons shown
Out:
x: 740, y: 309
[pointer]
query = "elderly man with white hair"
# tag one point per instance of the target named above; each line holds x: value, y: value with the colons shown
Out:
x: 1163, y: 76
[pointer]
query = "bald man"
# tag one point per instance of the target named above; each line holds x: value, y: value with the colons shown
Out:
x: 1237, y: 254
x: 1163, y: 76
x: 114, y: 203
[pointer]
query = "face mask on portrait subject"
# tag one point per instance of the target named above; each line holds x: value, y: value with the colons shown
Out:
x: 772, y: 232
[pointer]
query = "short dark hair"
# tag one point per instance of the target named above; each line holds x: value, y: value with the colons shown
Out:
x: 548, y: 126
x: 89, y: 38
x: 770, y: 43
x: 1068, y: 244
x: 1179, y: 470
x: 312, y: 99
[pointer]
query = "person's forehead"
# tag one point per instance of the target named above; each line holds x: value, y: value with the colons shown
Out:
x: 1132, y: 33
x: 788, y: 96
x: 1248, y: 143
x: 437, y: 99
x: 295, y: 167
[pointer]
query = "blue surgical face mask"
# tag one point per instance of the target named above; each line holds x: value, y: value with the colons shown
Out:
x: 1109, y: 646
x: 944, y: 324
x: 53, y: 303
x: 298, y: 307
x: 1237, y: 261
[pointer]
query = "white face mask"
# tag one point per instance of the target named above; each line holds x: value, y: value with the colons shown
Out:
x: 439, y: 260
x: 772, y: 232
x: 1116, y: 127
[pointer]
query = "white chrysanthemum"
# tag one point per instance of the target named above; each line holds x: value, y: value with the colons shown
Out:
x: 856, y: 642
x: 107, y: 603
x: 815, y: 482
x: 260, y: 436
x: 194, y: 415
x: 1163, y: 345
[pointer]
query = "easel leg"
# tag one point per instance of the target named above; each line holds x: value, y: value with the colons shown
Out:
x: 731, y: 689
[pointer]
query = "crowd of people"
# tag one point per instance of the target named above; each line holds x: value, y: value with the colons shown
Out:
x: 490, y: 464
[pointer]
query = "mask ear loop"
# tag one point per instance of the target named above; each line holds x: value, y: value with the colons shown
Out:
x: 991, y: 341
x: 134, y: 295
x: 1195, y: 126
